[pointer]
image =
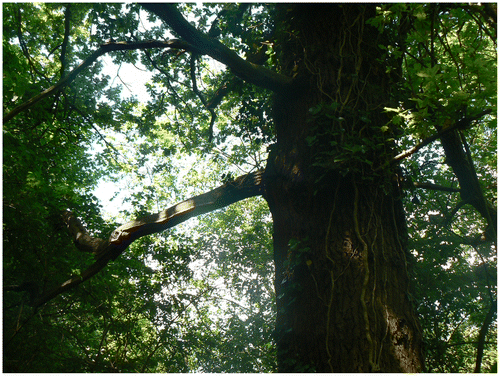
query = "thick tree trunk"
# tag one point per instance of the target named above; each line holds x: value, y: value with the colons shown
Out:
x: 339, y: 229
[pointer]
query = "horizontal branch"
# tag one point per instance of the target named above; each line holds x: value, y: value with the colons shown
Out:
x: 441, y: 345
x: 105, y: 48
x: 244, y: 69
x: 435, y: 187
x: 243, y: 187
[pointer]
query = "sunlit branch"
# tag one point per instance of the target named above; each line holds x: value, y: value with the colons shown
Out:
x: 243, y: 187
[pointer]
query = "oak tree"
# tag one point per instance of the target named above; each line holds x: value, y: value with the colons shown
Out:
x: 361, y: 111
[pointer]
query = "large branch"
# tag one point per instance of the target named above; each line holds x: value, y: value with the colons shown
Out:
x: 105, y: 48
x: 243, y: 187
x: 470, y: 189
x: 244, y: 69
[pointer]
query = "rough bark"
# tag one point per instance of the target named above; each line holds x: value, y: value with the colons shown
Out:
x: 342, y: 279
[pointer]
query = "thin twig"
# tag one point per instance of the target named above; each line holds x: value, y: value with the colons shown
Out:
x: 213, y: 115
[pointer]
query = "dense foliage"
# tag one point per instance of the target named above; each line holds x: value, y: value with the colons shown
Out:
x: 200, y: 297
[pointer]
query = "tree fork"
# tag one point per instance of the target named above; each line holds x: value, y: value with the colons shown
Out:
x: 244, y: 69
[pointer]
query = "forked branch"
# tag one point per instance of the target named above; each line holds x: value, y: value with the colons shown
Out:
x: 244, y: 69
x: 461, y: 124
x: 105, y: 48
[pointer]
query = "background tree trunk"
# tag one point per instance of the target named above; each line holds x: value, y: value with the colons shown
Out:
x: 342, y: 281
